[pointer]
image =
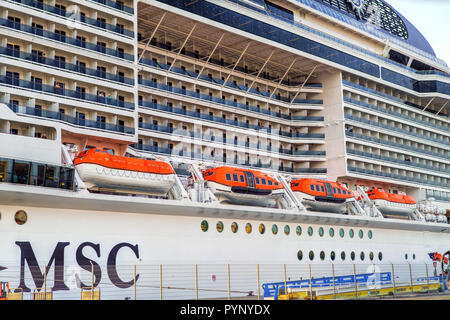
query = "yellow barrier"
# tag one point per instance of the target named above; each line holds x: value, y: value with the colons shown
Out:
x: 87, y: 293
x: 15, y: 295
x: 39, y: 295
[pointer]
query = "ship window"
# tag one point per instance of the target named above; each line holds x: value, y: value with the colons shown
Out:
x: 248, y: 228
x: 321, y: 188
x: 311, y: 255
x: 270, y: 182
x: 341, y: 232
x: 339, y: 191
x: 20, y: 172
x: 322, y: 255
x: 406, y: 256
x: 262, y: 228
x: 235, y: 177
x: 317, y: 187
x: 361, y: 234
x: 219, y: 226
x: 332, y: 255
x: 298, y: 230
x: 331, y: 232
x: 287, y: 230
x: 334, y: 190
x: 263, y: 181
x: 228, y: 177
x: 204, y: 225
x: 352, y: 255
x: 351, y: 233
x: 342, y: 255
x: 234, y: 227
x: 241, y: 178
x: 274, y: 229
x: 321, y: 231
x: 20, y: 217
x: 257, y: 180
x: 369, y: 234
x: 371, y: 256
x: 362, y: 256
x: 414, y: 256
x: 276, y: 183
x: 300, y: 255
x: 310, y: 231
x: 380, y: 256
x: 312, y: 187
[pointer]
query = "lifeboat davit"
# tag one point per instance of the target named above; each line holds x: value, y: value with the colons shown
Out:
x: 321, y: 195
x: 245, y: 187
x: 391, y: 204
x: 100, y: 170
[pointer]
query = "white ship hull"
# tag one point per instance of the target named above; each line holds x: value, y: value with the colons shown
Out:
x: 99, y: 177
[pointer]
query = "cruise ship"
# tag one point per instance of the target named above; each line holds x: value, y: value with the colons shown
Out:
x: 217, y: 132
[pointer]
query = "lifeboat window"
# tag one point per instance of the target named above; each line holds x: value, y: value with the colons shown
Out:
x: 274, y: 229
x: 310, y: 231
x: 342, y: 255
x: 321, y: 188
x: 311, y: 255
x: 276, y: 183
x: 351, y: 233
x: 262, y: 228
x: 321, y: 231
x: 263, y: 181
x: 257, y: 180
x: 339, y: 191
x: 331, y: 232
x: 287, y: 230
x: 317, y: 187
x: 235, y: 177
x: 228, y: 177
x: 248, y: 228
x: 204, y: 225
x: 322, y: 255
x: 298, y: 230
x: 341, y: 233
x: 312, y: 187
x: 300, y: 255
x: 234, y: 227
x: 242, y: 178
x: 219, y: 226
x: 270, y: 182
x: 352, y: 255
x: 332, y: 255
x: 334, y: 190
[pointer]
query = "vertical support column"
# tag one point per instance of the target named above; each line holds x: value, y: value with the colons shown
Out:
x: 310, y: 283
x: 334, y: 285
x: 160, y: 282
x: 257, y: 279
x: 45, y: 282
x: 134, y: 281
x: 285, y: 283
x: 196, y: 283
x: 356, y: 284
x: 228, y: 272
x: 393, y: 281
x: 410, y: 277
x: 92, y: 280
x: 428, y: 279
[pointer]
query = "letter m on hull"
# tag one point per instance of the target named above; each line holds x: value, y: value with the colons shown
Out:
x: 27, y: 256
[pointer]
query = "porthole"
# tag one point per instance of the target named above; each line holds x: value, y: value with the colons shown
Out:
x: 204, y: 225
x: 298, y: 230
x: 274, y: 229
x: 369, y: 234
x: 219, y: 226
x: 321, y: 231
x: 287, y: 230
x: 21, y: 217
x: 310, y: 231
x: 248, y: 228
x: 342, y: 255
x: 414, y: 256
x: 380, y: 256
x: 331, y: 232
x: 341, y: 233
x: 322, y: 255
x: 361, y: 234
x: 362, y: 256
x: 234, y: 227
x: 300, y: 255
x: 371, y: 256
x: 311, y: 255
x: 351, y: 233
x: 332, y: 255
x: 406, y: 256
x: 352, y: 255
x: 262, y: 228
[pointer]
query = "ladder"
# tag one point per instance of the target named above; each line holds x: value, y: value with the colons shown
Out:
x: 367, y: 205
x: 68, y: 160
x: 291, y: 199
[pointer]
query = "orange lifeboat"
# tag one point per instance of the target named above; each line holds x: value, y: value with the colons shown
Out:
x: 241, y: 186
x: 321, y: 195
x: 391, y: 203
x: 100, y: 170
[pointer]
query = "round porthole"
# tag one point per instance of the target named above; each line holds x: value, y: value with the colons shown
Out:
x: 322, y: 255
x: 311, y: 255
x: 331, y: 232
x: 352, y: 255
x: 361, y: 234
x: 20, y: 217
x: 287, y: 230
x: 262, y: 228
x: 342, y: 255
x: 219, y: 226
x: 310, y: 231
x: 406, y: 256
x: 362, y: 256
x: 351, y: 233
x: 414, y: 256
x: 371, y: 256
x: 332, y: 255
x: 234, y: 227
x: 248, y: 228
x: 300, y: 255
x: 274, y: 229
x: 370, y: 234
x: 380, y: 256
x: 341, y: 233
x: 298, y: 230
x: 321, y: 231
